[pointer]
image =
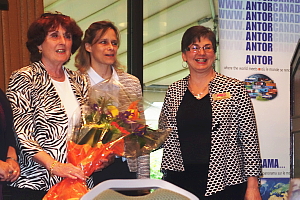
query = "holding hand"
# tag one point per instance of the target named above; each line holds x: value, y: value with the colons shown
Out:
x: 66, y: 170
x: 15, y: 172
x: 7, y: 172
x: 106, y: 162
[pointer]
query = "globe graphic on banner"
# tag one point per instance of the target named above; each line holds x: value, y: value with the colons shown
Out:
x: 274, y: 188
x: 261, y: 87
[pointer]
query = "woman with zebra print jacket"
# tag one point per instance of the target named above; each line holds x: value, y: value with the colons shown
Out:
x: 44, y: 97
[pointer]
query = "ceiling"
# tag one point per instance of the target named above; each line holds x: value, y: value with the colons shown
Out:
x: 164, y: 24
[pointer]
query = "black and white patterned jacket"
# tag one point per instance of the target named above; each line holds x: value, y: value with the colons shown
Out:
x: 40, y: 120
x: 235, y: 153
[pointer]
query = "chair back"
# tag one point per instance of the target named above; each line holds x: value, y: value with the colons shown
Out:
x: 162, y: 190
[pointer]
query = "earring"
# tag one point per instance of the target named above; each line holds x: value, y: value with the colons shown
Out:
x: 40, y: 51
x: 184, y: 66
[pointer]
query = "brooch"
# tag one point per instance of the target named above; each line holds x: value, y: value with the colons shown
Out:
x: 221, y: 96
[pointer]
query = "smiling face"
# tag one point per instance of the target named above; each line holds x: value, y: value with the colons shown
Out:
x: 202, y: 60
x: 104, y: 51
x: 56, y: 48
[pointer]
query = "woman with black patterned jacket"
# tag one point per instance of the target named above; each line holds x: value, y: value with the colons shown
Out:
x: 44, y: 97
x: 213, y: 149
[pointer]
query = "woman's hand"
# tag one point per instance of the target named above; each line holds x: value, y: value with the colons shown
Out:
x: 11, y: 159
x: 106, y: 162
x: 67, y: 170
x: 252, y: 192
x: 15, y: 169
x: 5, y: 171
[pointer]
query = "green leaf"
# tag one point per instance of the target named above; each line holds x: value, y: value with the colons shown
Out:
x: 141, y: 141
x: 107, y: 137
x: 89, y: 137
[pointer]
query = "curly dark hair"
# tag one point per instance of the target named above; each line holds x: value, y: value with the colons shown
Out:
x: 47, y: 22
x: 194, y: 34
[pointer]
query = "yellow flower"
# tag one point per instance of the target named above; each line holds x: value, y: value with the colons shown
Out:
x: 113, y: 110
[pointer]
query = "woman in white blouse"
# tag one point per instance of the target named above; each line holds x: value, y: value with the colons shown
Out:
x: 97, y: 58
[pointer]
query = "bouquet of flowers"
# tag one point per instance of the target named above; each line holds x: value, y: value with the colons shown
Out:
x: 105, y: 129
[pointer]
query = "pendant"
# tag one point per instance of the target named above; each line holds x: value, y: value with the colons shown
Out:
x: 198, y: 96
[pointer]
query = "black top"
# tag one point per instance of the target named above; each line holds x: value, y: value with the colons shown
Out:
x: 6, y: 126
x: 194, y: 121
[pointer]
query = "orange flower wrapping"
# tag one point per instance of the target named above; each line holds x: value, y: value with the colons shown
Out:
x: 88, y: 158
x: 100, y: 134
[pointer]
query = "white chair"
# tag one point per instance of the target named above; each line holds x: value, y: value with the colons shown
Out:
x: 163, y: 190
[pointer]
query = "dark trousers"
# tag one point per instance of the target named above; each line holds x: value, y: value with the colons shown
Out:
x: 117, y: 170
x: 234, y: 192
x: 194, y: 180
x: 1, y: 197
x: 26, y: 194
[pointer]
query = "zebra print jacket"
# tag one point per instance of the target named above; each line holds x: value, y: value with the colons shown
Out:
x: 235, y: 153
x: 40, y: 120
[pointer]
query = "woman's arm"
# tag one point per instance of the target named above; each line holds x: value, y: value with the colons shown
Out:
x: 20, y: 93
x: 248, y: 135
x: 11, y: 153
x: 66, y: 170
x: 252, y: 192
x: 250, y: 143
x: 143, y: 162
x: 12, y: 160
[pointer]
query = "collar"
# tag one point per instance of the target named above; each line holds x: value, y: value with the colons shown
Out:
x: 96, y: 78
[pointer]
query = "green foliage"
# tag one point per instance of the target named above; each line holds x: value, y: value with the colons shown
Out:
x: 155, y: 160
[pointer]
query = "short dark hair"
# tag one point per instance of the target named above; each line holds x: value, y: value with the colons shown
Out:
x: 194, y: 33
x: 39, y: 29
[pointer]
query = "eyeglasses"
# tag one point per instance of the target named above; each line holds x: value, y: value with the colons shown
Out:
x: 196, y: 48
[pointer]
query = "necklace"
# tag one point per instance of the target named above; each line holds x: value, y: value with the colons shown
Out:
x: 204, y: 90
x: 199, y: 95
x: 57, y: 77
